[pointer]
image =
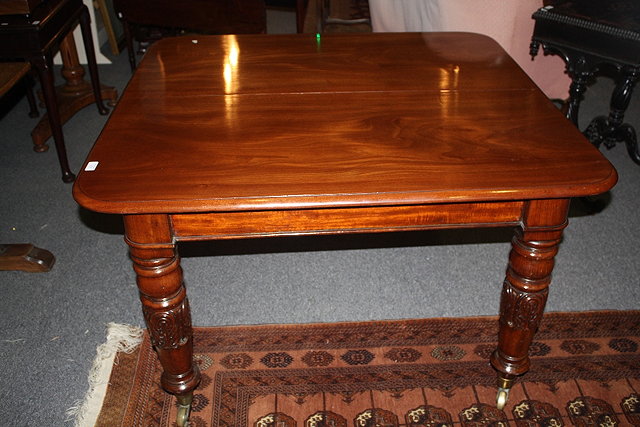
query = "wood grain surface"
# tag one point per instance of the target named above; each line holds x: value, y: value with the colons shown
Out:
x: 232, y: 123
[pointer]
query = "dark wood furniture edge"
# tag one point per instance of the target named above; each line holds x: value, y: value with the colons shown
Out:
x: 16, y: 7
x: 25, y: 257
x: 549, y: 14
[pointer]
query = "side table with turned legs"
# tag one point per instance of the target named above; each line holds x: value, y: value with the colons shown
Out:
x: 35, y: 35
x: 592, y: 35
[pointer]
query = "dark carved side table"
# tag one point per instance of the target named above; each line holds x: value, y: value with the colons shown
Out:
x: 589, y: 35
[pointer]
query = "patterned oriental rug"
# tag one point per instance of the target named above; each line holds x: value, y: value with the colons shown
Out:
x: 435, y: 372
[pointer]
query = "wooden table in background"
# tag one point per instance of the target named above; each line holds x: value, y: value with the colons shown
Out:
x: 229, y: 137
x: 33, y: 31
x: 72, y: 95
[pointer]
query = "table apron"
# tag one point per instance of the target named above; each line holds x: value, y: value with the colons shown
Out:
x: 230, y: 225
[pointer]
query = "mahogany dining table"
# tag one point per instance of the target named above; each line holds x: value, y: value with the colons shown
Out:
x: 248, y: 136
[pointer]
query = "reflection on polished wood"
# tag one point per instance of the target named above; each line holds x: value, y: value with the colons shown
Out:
x: 250, y: 136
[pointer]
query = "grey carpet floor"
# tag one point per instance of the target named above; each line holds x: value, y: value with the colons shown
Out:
x: 50, y: 324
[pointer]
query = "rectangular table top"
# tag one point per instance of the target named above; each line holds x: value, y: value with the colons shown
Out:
x: 255, y: 122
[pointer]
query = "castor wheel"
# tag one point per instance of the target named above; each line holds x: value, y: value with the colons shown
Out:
x: 502, y: 398
x: 504, y: 386
x: 184, y: 409
x: 182, y: 420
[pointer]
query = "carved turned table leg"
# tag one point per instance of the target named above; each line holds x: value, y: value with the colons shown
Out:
x: 525, y: 288
x: 164, y: 304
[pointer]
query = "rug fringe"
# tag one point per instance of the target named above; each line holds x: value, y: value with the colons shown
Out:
x: 120, y: 338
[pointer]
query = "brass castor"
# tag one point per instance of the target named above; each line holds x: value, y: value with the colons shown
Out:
x: 184, y: 409
x: 504, y: 386
x: 502, y: 398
